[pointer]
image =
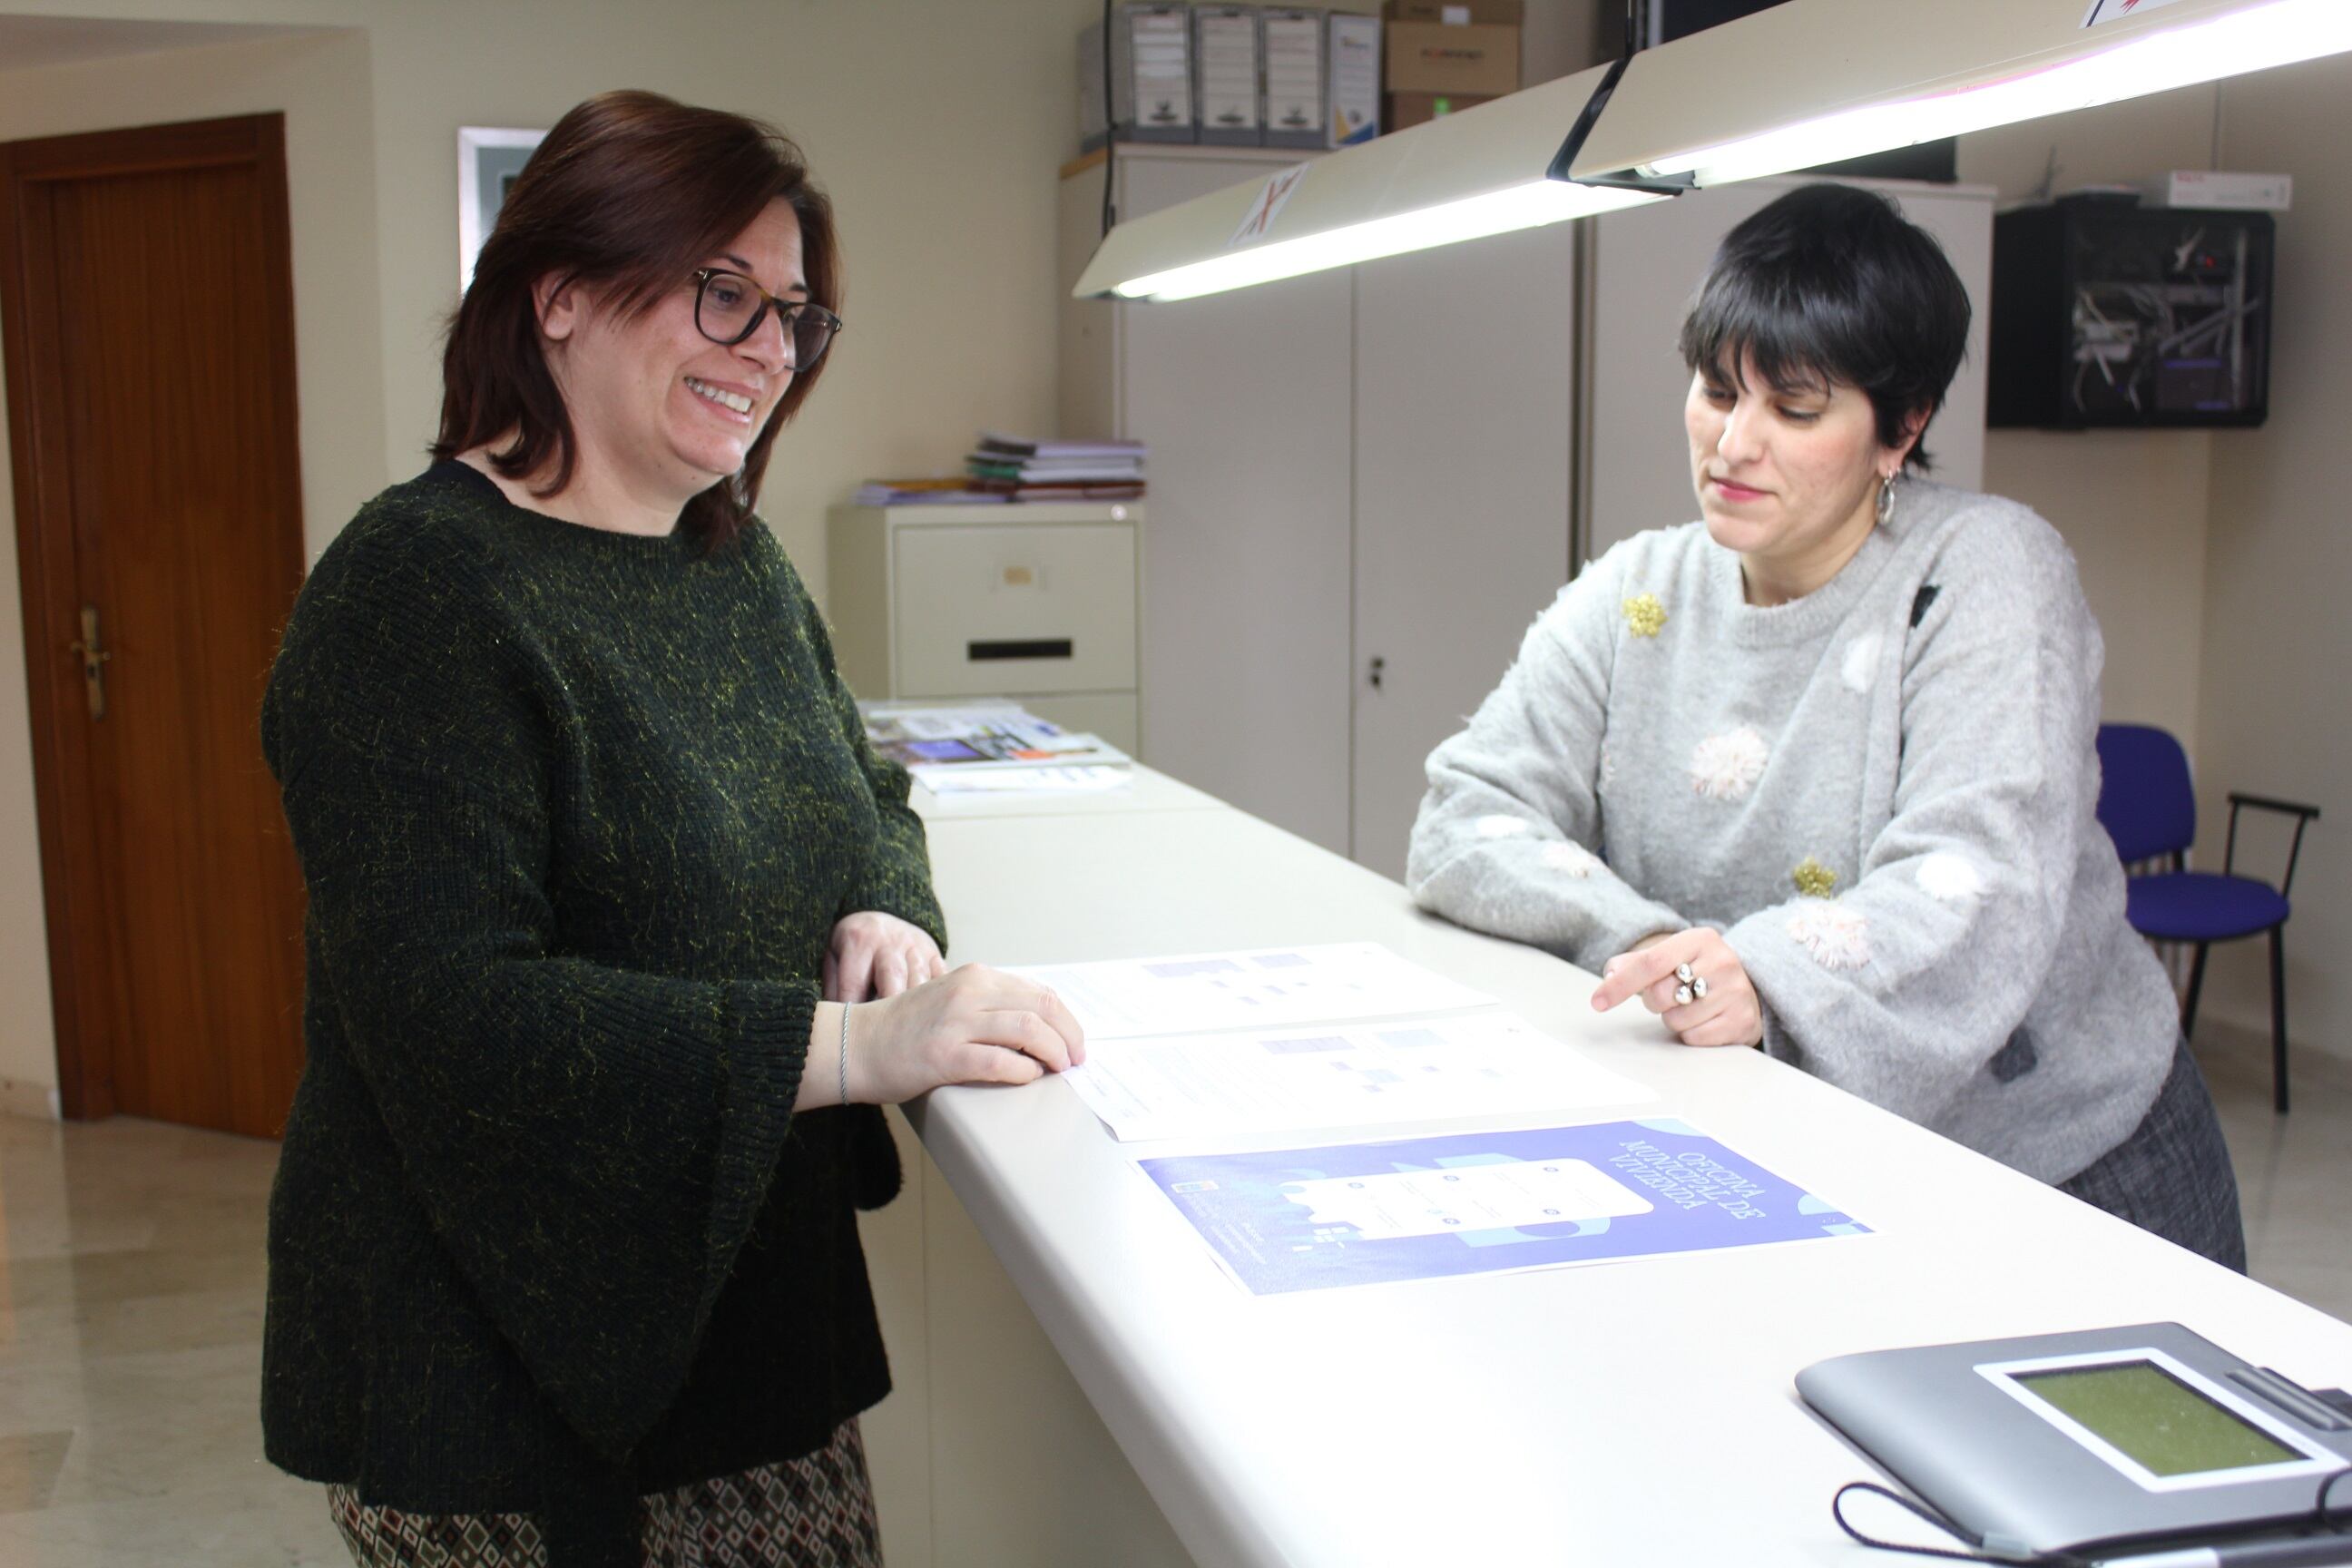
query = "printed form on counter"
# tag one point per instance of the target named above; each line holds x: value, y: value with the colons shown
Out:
x: 1272, y: 1040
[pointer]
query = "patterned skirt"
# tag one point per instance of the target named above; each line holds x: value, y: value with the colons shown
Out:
x: 2172, y: 1176
x: 811, y: 1513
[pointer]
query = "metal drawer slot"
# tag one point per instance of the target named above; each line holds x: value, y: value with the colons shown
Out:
x: 1041, y: 647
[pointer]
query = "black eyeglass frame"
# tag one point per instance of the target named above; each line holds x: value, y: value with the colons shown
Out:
x: 832, y: 324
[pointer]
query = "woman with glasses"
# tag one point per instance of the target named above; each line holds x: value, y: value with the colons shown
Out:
x: 619, y: 934
x: 1817, y: 773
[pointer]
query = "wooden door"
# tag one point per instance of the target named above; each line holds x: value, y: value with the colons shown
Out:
x: 145, y: 278
x: 1466, y: 363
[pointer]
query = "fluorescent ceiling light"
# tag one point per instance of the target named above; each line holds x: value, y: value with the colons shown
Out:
x: 1802, y: 83
x: 1461, y: 176
x: 1530, y: 206
x: 1815, y: 81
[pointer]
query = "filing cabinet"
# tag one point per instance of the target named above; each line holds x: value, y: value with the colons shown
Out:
x: 1036, y: 603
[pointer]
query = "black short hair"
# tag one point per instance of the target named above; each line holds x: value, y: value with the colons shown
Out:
x: 1831, y: 283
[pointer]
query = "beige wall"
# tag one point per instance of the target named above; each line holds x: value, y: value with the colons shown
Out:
x: 2278, y: 566
x: 2130, y: 502
x: 939, y: 126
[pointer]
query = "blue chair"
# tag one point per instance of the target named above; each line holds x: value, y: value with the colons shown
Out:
x: 2149, y: 808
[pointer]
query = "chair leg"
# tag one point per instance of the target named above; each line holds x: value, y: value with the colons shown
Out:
x: 2278, y: 1017
x: 2196, y: 983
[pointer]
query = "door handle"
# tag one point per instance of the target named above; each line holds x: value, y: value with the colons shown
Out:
x: 93, y: 662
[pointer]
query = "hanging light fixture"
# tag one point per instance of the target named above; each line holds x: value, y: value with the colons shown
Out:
x: 1816, y: 82
x: 1802, y: 83
x: 1461, y: 176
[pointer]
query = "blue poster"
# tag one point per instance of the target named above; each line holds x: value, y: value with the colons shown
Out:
x: 1481, y: 1203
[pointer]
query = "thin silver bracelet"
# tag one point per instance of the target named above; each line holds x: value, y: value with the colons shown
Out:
x: 845, y: 1053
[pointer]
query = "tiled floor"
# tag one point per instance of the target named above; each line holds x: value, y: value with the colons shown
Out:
x: 2295, y: 1172
x: 130, y: 1278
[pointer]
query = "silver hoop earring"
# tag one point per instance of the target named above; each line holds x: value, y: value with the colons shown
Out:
x: 1886, y: 497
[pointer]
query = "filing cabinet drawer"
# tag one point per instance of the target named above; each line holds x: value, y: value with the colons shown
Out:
x: 1009, y: 610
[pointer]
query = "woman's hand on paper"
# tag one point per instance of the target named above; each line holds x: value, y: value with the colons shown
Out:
x: 1729, y: 1013
x: 973, y: 1024
x: 872, y: 955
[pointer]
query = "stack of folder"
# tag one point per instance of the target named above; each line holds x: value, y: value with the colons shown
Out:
x: 1057, y: 471
x: 921, y: 492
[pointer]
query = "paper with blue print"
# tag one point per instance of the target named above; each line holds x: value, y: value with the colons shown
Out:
x: 1483, y: 1203
x: 1257, y: 988
x: 1319, y: 1079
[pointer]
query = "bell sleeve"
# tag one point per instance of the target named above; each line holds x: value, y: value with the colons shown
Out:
x: 898, y: 878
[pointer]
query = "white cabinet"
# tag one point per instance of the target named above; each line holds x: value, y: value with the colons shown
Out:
x: 1365, y: 464
x: 1379, y: 464
x: 1038, y: 603
x: 1245, y: 399
x: 1464, y: 415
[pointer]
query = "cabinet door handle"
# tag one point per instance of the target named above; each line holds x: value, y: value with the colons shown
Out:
x: 1379, y: 667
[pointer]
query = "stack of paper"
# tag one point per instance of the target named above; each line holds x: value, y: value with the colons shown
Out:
x: 1315, y: 1038
x: 1057, y: 471
x: 923, y: 493
x: 997, y: 747
x: 1307, y: 1037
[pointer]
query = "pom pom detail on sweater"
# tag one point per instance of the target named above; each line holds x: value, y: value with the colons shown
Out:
x: 1951, y: 878
x: 1836, y: 936
x: 1644, y: 616
x: 1726, y: 767
x: 1572, y: 858
x: 1859, y: 669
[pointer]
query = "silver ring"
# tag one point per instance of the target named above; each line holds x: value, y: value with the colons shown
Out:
x: 1682, y: 973
x: 1683, y: 995
x: 1698, y: 986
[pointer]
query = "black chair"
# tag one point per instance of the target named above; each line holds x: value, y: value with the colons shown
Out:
x: 2149, y: 808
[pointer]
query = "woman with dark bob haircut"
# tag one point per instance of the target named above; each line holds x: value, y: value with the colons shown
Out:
x: 1818, y: 772
x: 619, y: 934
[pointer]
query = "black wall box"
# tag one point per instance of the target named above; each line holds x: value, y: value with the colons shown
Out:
x: 2106, y: 314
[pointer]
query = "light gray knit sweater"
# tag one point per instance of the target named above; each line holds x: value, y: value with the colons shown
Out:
x: 1882, y: 794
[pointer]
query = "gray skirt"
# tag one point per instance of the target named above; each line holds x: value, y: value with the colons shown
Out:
x: 2172, y: 1176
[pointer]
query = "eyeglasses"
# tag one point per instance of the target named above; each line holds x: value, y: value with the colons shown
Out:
x: 729, y: 306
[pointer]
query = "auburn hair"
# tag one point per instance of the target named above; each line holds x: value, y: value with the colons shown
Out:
x: 629, y: 194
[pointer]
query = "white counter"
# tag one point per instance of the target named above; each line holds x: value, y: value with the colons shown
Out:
x: 1609, y: 1414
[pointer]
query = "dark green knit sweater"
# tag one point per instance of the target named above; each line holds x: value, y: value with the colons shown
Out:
x: 577, y: 811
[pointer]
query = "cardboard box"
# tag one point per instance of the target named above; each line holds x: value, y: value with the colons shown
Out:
x: 1457, y: 13
x: 1430, y: 56
x: 1409, y: 109
x: 1351, y: 60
